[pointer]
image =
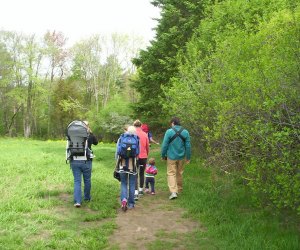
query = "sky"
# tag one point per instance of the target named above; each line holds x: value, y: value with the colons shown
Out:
x: 79, y: 19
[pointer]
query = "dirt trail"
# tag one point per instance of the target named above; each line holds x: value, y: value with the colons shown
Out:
x: 154, y: 218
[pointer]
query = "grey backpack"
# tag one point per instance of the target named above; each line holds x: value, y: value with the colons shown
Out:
x: 77, y: 141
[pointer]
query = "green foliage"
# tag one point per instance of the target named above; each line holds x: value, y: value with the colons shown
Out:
x: 240, y: 85
x: 113, y: 118
x: 158, y: 64
x: 37, y: 210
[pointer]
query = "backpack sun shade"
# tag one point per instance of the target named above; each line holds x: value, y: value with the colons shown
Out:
x: 77, y: 141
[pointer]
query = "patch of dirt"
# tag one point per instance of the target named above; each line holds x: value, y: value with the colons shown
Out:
x: 153, y: 218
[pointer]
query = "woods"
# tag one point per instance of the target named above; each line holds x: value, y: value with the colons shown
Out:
x: 44, y: 84
x: 229, y: 69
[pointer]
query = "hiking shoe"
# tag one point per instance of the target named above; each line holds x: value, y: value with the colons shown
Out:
x: 124, y: 205
x: 77, y: 205
x: 141, y: 193
x: 173, y: 196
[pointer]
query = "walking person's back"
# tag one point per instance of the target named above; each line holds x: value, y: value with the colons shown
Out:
x: 142, y: 161
x: 176, y: 149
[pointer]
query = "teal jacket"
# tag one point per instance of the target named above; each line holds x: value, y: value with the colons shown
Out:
x: 177, y: 149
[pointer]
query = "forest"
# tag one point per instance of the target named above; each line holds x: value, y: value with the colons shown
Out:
x: 229, y: 69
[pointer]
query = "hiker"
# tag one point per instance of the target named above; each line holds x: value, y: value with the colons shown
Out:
x: 146, y: 129
x: 126, y: 166
x: 150, y: 173
x: 142, y: 159
x: 83, y: 168
x: 176, y: 149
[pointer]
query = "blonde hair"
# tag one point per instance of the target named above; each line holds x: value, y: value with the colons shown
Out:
x: 137, y: 123
x: 151, y: 161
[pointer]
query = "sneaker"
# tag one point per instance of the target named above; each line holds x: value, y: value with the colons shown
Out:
x: 153, y: 193
x: 136, y: 197
x: 173, y: 196
x: 124, y: 205
x: 141, y: 192
x: 77, y: 205
x: 147, y: 191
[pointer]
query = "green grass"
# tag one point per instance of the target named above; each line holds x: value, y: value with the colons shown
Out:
x: 37, y: 212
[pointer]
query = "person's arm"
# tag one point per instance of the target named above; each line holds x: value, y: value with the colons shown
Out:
x: 164, y: 146
x: 152, y: 140
x: 94, y: 139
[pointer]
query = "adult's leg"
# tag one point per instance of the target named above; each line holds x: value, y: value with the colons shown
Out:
x: 87, y: 174
x: 76, y: 169
x: 142, y: 166
x: 171, y: 175
x: 132, y: 180
x: 179, y: 175
x: 124, y: 187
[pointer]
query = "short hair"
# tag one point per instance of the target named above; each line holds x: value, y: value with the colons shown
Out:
x: 131, y: 130
x: 175, y: 120
x: 151, y: 161
x: 137, y: 123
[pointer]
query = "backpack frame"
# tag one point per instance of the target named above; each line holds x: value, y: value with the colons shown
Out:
x: 77, y: 141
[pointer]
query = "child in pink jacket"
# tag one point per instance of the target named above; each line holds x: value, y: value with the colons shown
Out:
x: 150, y: 173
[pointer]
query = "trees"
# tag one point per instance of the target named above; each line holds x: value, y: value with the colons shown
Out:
x: 158, y: 64
x: 238, y: 85
x: 44, y: 85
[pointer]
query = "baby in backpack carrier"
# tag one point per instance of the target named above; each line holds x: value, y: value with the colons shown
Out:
x: 150, y: 173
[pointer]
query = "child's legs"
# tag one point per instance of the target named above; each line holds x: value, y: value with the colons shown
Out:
x: 152, y: 182
x: 147, y: 181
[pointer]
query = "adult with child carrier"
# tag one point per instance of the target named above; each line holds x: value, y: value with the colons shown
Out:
x: 142, y: 159
x: 79, y: 152
x: 126, y: 154
x: 176, y: 149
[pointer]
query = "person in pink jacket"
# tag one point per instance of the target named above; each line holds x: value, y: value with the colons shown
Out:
x: 142, y: 159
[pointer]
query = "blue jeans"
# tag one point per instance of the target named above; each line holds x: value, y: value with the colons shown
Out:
x: 82, y: 168
x: 124, y: 188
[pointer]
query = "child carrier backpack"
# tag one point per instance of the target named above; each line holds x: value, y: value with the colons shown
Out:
x: 77, y: 141
x: 128, y: 146
x: 128, y: 149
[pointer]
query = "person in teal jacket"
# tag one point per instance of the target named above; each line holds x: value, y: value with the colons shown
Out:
x: 176, y: 149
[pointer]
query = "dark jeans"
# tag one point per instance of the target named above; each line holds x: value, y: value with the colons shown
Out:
x: 140, y: 177
x: 150, y: 180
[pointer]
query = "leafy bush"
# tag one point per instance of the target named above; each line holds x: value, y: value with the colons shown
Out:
x: 239, y: 82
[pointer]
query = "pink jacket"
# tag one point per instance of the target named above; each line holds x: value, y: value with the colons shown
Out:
x: 144, y: 143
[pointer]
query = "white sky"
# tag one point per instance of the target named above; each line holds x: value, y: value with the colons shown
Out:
x: 79, y: 19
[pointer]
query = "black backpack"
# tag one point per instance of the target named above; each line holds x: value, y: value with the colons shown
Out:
x: 77, y: 141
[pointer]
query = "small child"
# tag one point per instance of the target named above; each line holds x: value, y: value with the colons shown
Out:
x: 150, y: 173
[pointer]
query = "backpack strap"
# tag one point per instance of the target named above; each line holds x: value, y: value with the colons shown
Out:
x: 177, y: 133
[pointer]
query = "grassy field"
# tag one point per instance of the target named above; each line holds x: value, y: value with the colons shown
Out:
x: 36, y: 204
